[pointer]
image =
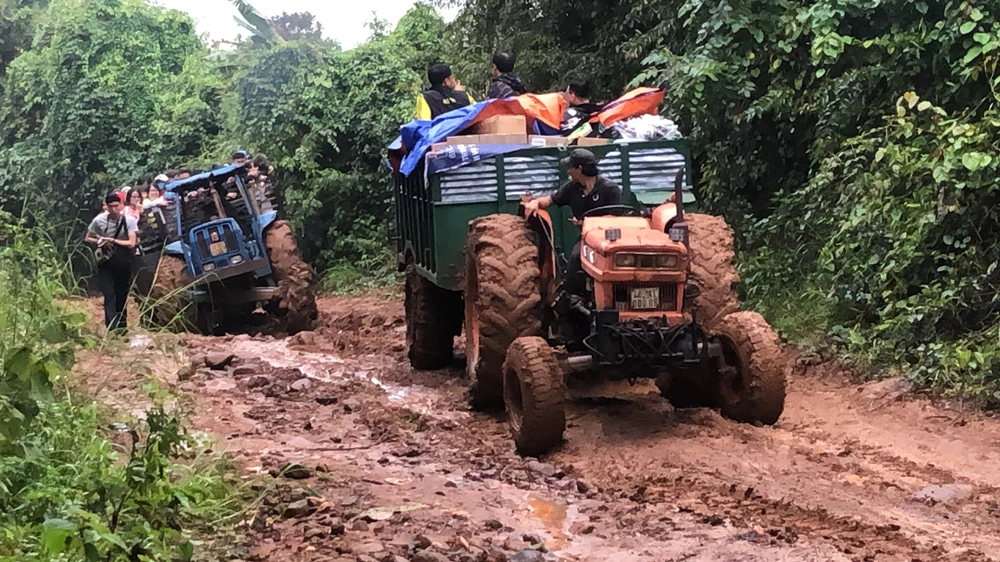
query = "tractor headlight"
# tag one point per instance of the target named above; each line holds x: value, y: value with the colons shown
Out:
x: 208, y: 267
x: 235, y: 260
x: 666, y: 261
x: 625, y: 260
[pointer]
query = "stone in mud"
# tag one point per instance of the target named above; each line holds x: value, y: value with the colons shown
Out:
x: 888, y: 389
x: 494, y: 525
x: 303, y: 338
x: 366, y: 558
x: 337, y: 527
x: 419, y: 542
x: 218, y: 360
x: 582, y: 486
x: 245, y: 370
x: 301, y: 385
x: 351, y: 405
x: 299, y: 508
x: 944, y: 494
x: 528, y: 556
x: 315, y: 533
x: 326, y: 400
x: 258, y: 382
x: 370, y: 548
x: 295, y: 471
x: 543, y: 468
x: 429, y: 556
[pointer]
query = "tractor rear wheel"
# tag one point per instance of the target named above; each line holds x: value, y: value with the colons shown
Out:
x: 712, y: 269
x: 295, y: 304
x: 534, y: 396
x: 751, y: 373
x: 502, y: 300
x: 433, y: 319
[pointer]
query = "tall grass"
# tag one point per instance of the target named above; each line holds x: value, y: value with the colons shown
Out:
x: 71, y: 486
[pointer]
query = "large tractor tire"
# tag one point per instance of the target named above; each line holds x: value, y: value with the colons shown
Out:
x: 534, y: 395
x: 167, y: 305
x: 751, y: 374
x: 295, y: 304
x: 502, y: 300
x: 712, y: 268
x: 433, y: 319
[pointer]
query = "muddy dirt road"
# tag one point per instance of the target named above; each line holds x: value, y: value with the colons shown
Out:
x: 388, y: 464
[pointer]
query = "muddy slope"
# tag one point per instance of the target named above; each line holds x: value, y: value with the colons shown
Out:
x: 390, y: 464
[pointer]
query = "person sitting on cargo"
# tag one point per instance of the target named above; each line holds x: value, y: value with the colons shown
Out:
x: 240, y: 157
x: 587, y: 190
x: 504, y: 83
x: 580, y: 109
x: 445, y: 94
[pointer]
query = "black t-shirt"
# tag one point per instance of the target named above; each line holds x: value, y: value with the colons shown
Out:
x: 605, y: 193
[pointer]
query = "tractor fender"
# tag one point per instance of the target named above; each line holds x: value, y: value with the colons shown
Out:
x: 174, y: 248
x: 663, y: 215
x: 541, y: 223
x: 267, y: 219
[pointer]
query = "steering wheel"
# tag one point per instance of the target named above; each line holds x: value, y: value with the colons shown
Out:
x: 613, y: 211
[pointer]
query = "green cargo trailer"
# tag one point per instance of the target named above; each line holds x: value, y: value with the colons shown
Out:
x: 433, y: 212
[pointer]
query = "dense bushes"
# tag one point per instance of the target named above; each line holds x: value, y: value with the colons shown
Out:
x: 864, y: 213
x: 71, y: 488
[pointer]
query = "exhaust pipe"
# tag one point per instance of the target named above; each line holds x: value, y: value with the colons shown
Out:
x: 679, y: 228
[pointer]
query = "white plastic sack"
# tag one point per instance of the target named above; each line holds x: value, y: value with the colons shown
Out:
x: 649, y: 128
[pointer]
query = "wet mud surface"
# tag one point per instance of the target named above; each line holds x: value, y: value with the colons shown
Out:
x: 360, y: 458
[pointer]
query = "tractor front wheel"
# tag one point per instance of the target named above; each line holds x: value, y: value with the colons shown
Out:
x: 502, y: 300
x: 712, y: 268
x: 295, y: 304
x: 752, y: 369
x: 534, y: 396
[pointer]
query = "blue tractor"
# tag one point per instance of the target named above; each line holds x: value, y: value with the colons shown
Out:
x: 216, y: 255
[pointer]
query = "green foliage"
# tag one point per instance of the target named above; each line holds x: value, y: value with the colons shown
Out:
x: 863, y: 213
x: 67, y: 492
x: 324, y: 117
x: 76, y: 115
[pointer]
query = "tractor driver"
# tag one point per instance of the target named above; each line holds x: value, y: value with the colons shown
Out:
x: 587, y: 190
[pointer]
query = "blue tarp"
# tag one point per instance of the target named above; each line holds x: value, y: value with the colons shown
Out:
x: 451, y: 157
x: 418, y: 136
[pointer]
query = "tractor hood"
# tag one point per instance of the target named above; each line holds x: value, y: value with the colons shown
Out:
x: 636, y: 235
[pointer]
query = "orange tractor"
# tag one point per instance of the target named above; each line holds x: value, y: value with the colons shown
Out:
x: 658, y: 304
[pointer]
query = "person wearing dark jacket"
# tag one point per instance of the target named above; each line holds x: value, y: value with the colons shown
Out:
x: 445, y: 94
x: 580, y: 109
x: 505, y: 83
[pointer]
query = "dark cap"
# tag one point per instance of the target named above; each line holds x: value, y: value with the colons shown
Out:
x: 580, y: 157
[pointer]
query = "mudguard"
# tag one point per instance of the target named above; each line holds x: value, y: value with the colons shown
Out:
x: 174, y: 249
x: 541, y: 223
x: 266, y: 219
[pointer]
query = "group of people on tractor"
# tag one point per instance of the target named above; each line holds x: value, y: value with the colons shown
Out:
x: 115, y: 232
x: 446, y: 93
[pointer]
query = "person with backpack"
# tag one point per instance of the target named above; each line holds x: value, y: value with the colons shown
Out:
x: 115, y: 238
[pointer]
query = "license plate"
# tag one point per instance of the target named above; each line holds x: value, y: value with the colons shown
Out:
x: 217, y: 248
x: 646, y: 298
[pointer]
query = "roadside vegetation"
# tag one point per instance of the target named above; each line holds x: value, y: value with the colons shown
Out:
x: 78, y: 480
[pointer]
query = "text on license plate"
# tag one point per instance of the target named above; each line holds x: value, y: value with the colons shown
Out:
x: 645, y: 298
x: 217, y: 248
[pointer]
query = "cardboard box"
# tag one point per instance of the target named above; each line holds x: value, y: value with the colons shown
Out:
x: 538, y: 140
x: 463, y: 139
x: 504, y: 139
x: 502, y: 125
x: 591, y: 141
